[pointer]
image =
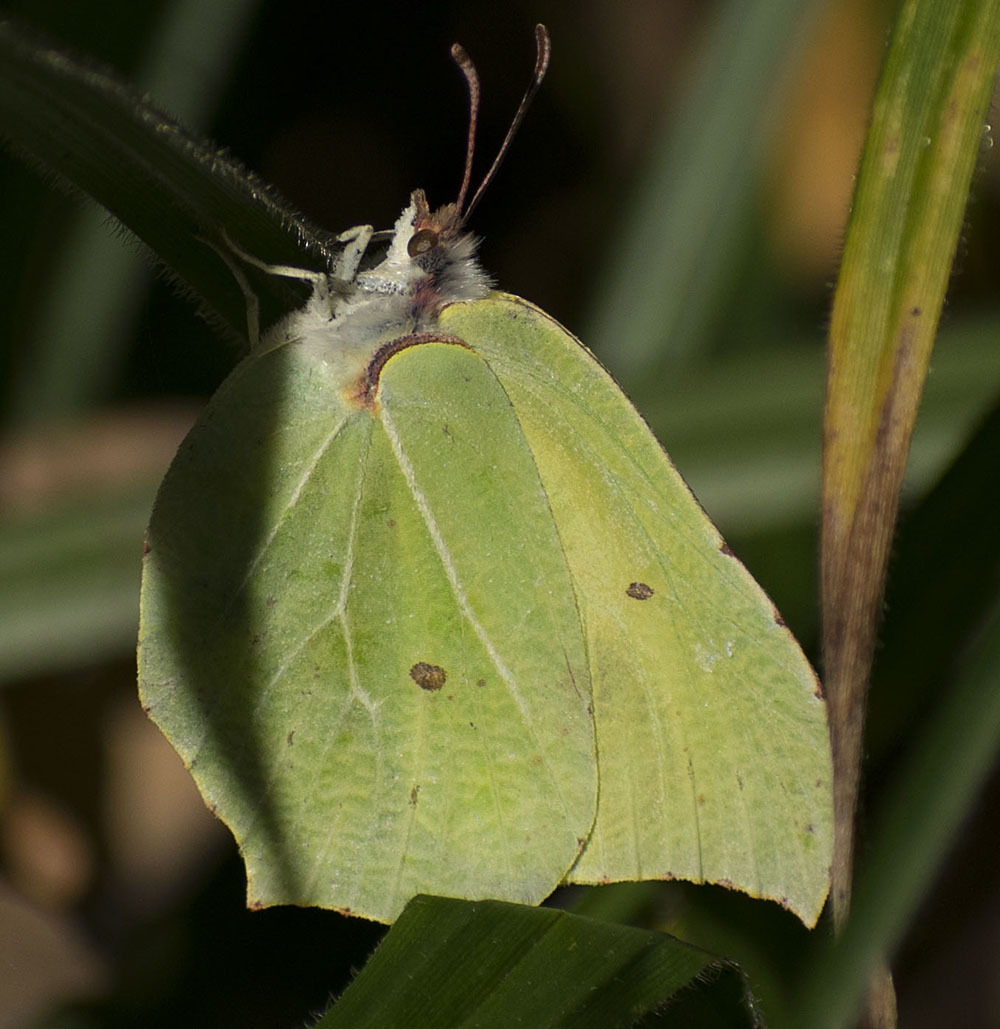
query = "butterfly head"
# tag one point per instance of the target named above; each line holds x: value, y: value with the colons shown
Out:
x: 440, y: 246
x: 440, y: 252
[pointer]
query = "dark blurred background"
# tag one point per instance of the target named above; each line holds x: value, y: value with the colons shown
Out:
x: 121, y: 899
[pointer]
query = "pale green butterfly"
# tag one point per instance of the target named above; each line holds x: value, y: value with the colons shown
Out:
x: 426, y: 609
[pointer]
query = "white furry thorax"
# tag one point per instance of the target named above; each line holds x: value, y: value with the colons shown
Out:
x: 430, y: 262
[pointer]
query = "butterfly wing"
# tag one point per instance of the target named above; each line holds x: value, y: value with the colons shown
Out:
x: 358, y: 630
x: 714, y: 761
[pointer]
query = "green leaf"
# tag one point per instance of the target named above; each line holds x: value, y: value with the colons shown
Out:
x: 186, y: 64
x: 500, y: 524
x: 493, y: 964
x: 78, y: 122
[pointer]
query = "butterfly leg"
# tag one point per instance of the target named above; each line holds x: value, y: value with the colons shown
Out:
x: 356, y: 240
x: 284, y: 270
x: 320, y: 281
x: 253, y: 304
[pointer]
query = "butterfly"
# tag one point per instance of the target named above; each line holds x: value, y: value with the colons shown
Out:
x: 427, y: 609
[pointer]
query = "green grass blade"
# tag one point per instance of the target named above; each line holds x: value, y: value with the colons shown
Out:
x: 922, y: 146
x: 82, y: 125
x: 750, y: 454
x: 71, y: 583
x: 490, y: 964
x: 75, y: 360
x: 688, y: 221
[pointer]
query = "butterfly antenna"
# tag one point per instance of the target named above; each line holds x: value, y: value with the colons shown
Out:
x: 468, y: 69
x: 543, y: 53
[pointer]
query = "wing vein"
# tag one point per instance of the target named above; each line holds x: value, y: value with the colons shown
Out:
x: 465, y: 606
x: 447, y: 562
x: 290, y: 505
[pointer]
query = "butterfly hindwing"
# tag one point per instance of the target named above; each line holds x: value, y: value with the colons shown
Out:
x: 368, y: 649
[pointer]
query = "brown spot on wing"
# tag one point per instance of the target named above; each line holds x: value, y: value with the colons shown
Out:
x: 639, y: 591
x: 427, y: 676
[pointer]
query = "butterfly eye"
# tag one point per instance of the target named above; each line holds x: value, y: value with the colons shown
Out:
x: 422, y: 241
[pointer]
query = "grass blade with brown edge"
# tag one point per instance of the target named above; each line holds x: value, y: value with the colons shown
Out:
x: 921, y: 149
